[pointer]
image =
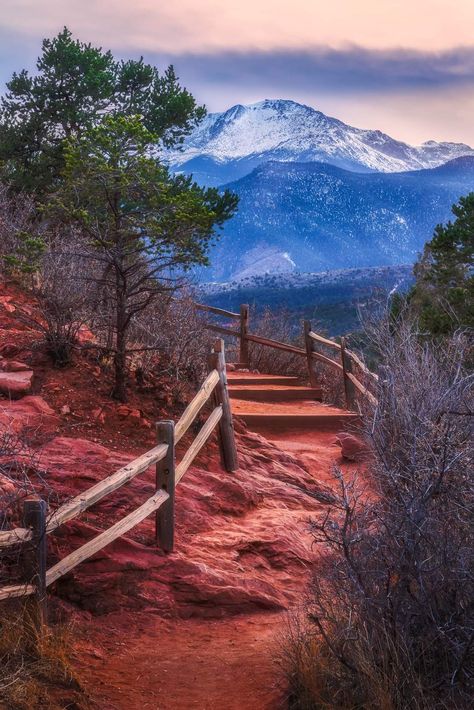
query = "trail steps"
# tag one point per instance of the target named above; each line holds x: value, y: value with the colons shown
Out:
x: 271, y: 403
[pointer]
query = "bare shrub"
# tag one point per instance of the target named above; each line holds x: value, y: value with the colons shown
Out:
x: 35, y: 670
x: 66, y: 295
x: 390, y: 619
x: 20, y: 477
x: 331, y: 381
x: 277, y: 325
x: 32, y: 665
x: 20, y: 242
x: 171, y: 340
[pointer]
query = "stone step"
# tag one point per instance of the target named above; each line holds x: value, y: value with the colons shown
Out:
x: 250, y: 378
x: 267, y: 423
x: 273, y: 393
x: 273, y: 416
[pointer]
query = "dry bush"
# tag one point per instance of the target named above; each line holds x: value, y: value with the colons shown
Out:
x: 390, y: 619
x: 19, y: 232
x: 20, y: 477
x: 170, y: 340
x: 35, y: 671
x: 330, y: 381
x: 66, y: 296
x: 34, y: 668
x: 277, y: 325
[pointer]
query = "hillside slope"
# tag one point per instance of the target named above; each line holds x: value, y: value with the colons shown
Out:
x: 313, y: 216
x: 243, y: 546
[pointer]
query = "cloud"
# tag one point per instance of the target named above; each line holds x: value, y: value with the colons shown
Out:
x: 413, y: 94
x: 352, y: 69
x: 213, y: 25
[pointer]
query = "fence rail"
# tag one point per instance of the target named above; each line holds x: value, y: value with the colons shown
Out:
x: 38, y: 525
x: 345, y: 364
x: 32, y: 537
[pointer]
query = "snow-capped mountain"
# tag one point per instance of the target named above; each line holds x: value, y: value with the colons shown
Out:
x: 315, y: 216
x: 226, y: 146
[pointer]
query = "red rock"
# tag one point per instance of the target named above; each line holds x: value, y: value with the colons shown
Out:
x: 65, y: 409
x: 16, y: 384
x: 352, y: 447
x: 9, y: 350
x: 13, y: 366
x: 123, y: 411
x: 98, y: 415
x: 85, y: 335
x: 28, y: 416
x: 242, y: 539
x: 126, y: 412
x: 5, y: 302
x: 7, y: 489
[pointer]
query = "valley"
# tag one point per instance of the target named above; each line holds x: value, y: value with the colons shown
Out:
x: 335, y: 299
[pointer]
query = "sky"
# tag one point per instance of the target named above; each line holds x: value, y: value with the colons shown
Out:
x: 402, y: 66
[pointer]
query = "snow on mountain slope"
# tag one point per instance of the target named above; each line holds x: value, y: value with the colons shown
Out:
x: 228, y: 145
x: 315, y: 216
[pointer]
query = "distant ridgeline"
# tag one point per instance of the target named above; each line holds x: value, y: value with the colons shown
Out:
x: 318, y: 194
x: 333, y: 300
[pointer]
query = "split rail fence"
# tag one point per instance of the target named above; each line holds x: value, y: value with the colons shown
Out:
x: 38, y: 525
x: 346, y: 362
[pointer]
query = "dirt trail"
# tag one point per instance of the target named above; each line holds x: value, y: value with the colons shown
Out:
x: 144, y: 662
x: 138, y: 660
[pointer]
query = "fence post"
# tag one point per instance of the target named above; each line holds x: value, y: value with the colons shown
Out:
x: 165, y: 480
x: 34, y: 517
x: 309, y: 344
x: 221, y: 396
x: 349, y: 389
x: 244, y: 329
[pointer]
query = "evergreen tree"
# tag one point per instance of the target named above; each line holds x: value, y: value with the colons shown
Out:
x: 142, y: 224
x: 443, y: 295
x: 75, y: 86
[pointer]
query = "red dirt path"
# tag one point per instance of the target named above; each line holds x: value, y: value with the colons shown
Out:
x: 137, y: 661
x: 243, y: 545
x: 144, y: 662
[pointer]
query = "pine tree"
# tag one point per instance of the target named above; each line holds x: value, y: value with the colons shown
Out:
x: 143, y: 225
x: 75, y: 86
x: 443, y: 296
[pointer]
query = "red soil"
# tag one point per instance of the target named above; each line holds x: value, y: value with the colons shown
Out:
x: 143, y: 661
x: 198, y: 628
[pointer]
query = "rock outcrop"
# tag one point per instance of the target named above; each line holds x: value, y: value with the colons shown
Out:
x: 242, y: 539
x: 16, y: 384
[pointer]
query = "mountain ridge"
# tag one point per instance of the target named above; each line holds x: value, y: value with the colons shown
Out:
x: 315, y: 216
x: 228, y: 145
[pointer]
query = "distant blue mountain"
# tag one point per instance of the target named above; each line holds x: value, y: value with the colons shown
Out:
x: 315, y: 216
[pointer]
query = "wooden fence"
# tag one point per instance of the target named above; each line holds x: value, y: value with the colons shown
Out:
x: 346, y: 362
x: 37, y: 524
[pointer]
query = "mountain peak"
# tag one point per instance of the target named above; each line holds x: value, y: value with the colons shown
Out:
x: 237, y: 140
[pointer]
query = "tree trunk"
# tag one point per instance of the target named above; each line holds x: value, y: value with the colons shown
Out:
x: 120, y: 359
